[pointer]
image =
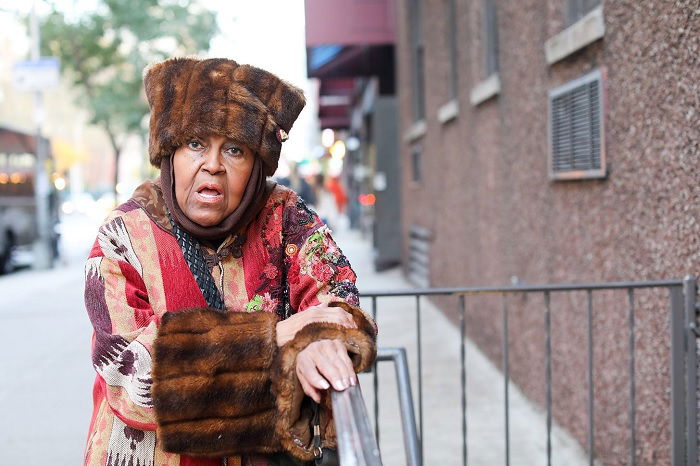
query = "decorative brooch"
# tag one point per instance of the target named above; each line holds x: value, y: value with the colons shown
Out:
x: 291, y: 249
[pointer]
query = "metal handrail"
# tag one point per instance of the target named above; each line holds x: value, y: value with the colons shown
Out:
x: 408, y: 418
x: 522, y: 288
x: 357, y: 445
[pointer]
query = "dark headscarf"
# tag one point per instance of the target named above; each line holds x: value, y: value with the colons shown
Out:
x: 256, y: 193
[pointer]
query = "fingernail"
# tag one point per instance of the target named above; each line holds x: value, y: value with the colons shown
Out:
x: 353, y: 381
x: 338, y: 384
x: 346, y: 382
x: 324, y: 384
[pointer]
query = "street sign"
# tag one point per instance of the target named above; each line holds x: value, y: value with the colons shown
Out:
x: 37, y: 75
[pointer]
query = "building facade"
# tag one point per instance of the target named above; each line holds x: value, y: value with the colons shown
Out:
x: 550, y: 141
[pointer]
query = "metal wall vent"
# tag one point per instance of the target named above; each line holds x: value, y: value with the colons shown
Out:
x: 577, y: 142
x: 419, y: 239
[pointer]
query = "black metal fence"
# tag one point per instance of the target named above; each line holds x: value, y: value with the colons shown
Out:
x: 683, y: 407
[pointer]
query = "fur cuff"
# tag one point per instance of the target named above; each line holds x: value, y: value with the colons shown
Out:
x: 294, y: 411
x: 211, y: 382
x: 364, y: 322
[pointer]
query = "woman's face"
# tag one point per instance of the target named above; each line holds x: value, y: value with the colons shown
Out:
x: 210, y: 178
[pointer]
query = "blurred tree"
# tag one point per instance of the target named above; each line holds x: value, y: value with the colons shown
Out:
x: 105, y: 51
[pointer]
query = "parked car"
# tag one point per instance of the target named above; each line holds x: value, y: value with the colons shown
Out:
x: 17, y: 216
x: 18, y: 225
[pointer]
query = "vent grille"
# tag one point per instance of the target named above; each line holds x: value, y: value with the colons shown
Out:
x: 576, y: 127
x: 419, y: 239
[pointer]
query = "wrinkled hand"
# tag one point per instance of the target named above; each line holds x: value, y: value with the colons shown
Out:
x: 321, y: 362
x: 286, y: 329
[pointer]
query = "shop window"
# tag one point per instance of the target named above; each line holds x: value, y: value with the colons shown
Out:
x: 490, y: 37
x: 418, y: 58
x: 451, y: 28
x: 416, y: 175
x: 577, y: 9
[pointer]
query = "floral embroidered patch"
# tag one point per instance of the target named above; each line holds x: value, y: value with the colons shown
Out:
x: 255, y: 304
x: 263, y: 302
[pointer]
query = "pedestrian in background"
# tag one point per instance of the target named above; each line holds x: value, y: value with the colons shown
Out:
x: 195, y: 288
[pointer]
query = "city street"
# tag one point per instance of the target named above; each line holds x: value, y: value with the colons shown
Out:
x: 45, y: 343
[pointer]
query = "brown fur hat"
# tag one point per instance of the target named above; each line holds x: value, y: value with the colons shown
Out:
x: 191, y: 97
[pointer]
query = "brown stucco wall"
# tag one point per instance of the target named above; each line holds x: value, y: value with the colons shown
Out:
x: 494, y: 213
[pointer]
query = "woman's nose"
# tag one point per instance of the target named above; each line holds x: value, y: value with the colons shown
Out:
x: 212, y: 161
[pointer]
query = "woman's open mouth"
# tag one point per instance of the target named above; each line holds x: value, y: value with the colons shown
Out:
x: 210, y: 193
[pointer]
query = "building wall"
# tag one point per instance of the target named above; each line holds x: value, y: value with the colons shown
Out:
x: 496, y: 217
x: 387, y: 219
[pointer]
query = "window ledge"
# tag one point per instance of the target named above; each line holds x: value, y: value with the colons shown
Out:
x: 416, y: 131
x: 583, y: 32
x: 448, y: 112
x: 596, y: 174
x: 486, y: 89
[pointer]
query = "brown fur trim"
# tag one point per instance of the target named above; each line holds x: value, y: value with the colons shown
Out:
x: 364, y: 322
x: 209, y: 342
x: 217, y: 437
x: 222, y: 395
x: 212, y: 382
x: 193, y: 98
x: 292, y: 427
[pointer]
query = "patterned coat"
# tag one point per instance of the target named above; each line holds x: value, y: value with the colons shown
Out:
x: 136, y: 273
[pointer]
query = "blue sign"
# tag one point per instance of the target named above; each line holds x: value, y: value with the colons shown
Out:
x: 37, y: 75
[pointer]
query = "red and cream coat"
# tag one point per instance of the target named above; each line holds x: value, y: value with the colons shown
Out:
x: 136, y: 273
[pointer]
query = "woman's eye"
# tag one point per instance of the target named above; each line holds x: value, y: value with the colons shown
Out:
x: 234, y: 151
x: 194, y: 145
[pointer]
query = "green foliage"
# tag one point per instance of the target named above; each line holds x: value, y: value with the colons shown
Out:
x: 105, y: 51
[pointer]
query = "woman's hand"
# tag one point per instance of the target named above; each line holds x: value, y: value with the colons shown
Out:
x: 286, y: 329
x: 321, y: 362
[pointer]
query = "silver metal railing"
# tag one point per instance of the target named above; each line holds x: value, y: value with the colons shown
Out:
x: 683, y: 363
x: 357, y: 445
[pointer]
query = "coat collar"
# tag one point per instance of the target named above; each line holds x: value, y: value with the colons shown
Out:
x: 150, y: 198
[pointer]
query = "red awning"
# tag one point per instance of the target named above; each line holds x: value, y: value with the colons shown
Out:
x: 343, y: 22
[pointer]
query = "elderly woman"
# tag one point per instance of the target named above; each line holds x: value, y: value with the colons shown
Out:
x: 222, y: 308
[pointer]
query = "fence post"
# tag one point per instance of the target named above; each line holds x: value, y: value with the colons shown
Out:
x: 690, y: 291
x: 412, y: 442
x: 678, y: 385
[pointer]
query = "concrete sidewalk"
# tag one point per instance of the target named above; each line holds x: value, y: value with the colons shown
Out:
x: 441, y: 384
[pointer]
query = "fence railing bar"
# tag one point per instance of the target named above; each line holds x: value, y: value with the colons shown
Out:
x: 375, y: 379
x: 412, y: 443
x: 678, y: 415
x: 591, y: 420
x: 633, y: 388
x: 525, y: 288
x: 419, y: 341
x: 463, y: 364
x: 357, y: 446
x: 690, y: 291
x: 506, y: 377
x: 683, y: 361
x: 548, y: 372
